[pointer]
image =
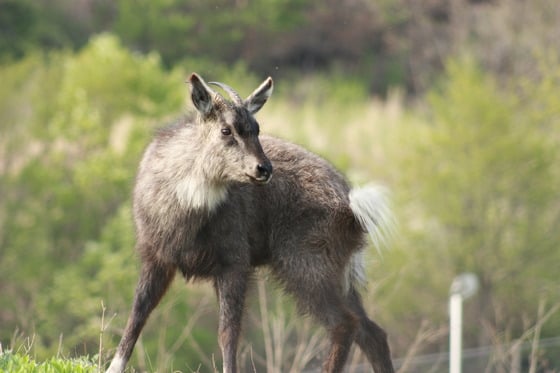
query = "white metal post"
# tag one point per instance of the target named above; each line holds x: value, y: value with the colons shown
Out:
x: 455, y: 332
x: 464, y: 286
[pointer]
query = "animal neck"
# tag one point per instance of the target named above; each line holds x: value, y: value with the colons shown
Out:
x: 196, y: 193
x: 184, y: 154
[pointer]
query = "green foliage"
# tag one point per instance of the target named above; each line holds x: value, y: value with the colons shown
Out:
x: 75, y: 134
x: 22, y: 363
x: 29, y: 26
x: 387, y: 43
x: 481, y: 195
x: 17, y: 19
x: 216, y: 30
x: 293, y: 35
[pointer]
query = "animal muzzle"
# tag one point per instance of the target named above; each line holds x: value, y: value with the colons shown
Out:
x: 262, y: 173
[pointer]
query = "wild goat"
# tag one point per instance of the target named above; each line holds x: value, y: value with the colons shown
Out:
x: 206, y: 204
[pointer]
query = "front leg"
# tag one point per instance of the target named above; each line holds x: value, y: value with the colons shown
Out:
x: 231, y: 288
x: 152, y: 285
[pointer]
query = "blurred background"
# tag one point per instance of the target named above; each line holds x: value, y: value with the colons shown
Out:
x: 453, y: 104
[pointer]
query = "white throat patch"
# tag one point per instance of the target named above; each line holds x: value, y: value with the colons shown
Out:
x: 197, y: 194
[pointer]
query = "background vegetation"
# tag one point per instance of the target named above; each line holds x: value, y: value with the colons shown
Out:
x: 453, y: 104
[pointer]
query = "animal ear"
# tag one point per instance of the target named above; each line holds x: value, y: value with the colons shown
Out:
x: 201, y: 94
x: 258, y: 98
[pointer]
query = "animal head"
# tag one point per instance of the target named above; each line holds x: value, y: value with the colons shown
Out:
x: 231, y: 133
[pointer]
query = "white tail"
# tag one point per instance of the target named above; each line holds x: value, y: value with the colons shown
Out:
x: 371, y: 208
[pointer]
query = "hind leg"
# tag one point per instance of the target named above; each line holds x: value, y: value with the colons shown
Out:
x: 340, y: 322
x: 371, y: 338
x: 341, y: 325
x: 320, y: 295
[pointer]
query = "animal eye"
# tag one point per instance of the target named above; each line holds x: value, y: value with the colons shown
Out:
x: 226, y: 131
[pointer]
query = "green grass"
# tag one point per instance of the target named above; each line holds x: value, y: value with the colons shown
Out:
x: 22, y: 363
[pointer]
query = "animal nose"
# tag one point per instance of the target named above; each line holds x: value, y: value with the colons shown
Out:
x: 264, y: 171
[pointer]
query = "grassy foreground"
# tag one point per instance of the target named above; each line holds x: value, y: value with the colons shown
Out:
x: 22, y: 363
